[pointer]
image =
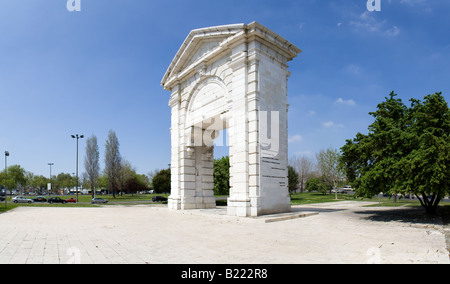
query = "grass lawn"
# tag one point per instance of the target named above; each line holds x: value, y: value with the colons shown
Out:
x: 85, y: 201
x: 296, y: 199
x: 118, y: 198
x: 314, y: 197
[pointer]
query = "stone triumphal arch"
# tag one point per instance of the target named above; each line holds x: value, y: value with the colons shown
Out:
x: 230, y: 77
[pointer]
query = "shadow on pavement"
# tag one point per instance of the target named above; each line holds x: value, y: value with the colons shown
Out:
x: 414, y: 215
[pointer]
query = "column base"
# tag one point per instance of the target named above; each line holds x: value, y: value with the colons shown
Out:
x: 239, y: 208
x: 174, y: 203
x: 189, y: 203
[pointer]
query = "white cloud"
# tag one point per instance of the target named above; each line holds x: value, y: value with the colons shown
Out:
x: 354, y: 69
x: 392, y: 31
x: 295, y: 138
x: 331, y: 124
x: 419, y: 5
x: 367, y: 22
x: 303, y: 153
x: 412, y: 2
x: 345, y: 102
x: 311, y: 113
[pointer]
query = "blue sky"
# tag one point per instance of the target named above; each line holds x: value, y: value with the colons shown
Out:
x: 87, y: 72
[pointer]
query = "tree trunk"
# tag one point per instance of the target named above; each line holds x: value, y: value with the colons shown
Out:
x: 429, y: 205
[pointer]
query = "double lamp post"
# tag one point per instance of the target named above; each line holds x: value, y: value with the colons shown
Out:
x: 6, y: 176
x: 77, y: 137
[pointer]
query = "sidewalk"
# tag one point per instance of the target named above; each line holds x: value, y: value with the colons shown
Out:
x: 342, y: 232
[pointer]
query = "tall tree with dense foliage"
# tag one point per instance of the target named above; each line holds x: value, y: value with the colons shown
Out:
x: 304, y: 166
x: 16, y: 178
x: 315, y: 184
x: 161, y: 181
x: 91, y: 162
x: 407, y: 150
x: 113, y: 161
x: 293, y: 179
x: 222, y: 176
x: 329, y: 167
x: 427, y: 166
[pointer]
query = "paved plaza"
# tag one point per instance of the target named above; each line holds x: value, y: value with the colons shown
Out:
x: 341, y: 232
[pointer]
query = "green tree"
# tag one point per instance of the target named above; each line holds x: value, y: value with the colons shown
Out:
x: 135, y: 184
x: 222, y: 176
x: 144, y: 179
x: 65, y: 180
x: 406, y: 151
x: 16, y: 177
x: 293, y: 181
x: 102, y: 182
x: 126, y: 172
x: 91, y: 162
x: 161, y: 181
x: 113, y: 161
x: 329, y: 167
x: 39, y: 183
x: 315, y: 184
x: 426, y: 168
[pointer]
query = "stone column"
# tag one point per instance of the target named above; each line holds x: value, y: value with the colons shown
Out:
x: 239, y: 200
x: 174, y: 201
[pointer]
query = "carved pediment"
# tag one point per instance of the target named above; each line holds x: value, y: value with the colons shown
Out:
x: 204, y: 47
x: 199, y: 44
x: 204, y: 44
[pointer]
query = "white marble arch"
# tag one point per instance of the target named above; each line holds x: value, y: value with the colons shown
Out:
x: 230, y: 77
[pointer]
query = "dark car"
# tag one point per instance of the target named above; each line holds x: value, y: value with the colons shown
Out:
x: 56, y: 200
x: 98, y: 200
x: 158, y: 199
x: 40, y: 199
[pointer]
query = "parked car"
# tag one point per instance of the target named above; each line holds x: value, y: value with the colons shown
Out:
x: 73, y: 200
x: 40, y: 199
x: 98, y: 200
x: 158, y: 199
x: 21, y: 199
x: 2, y: 198
x: 338, y: 190
x: 56, y: 200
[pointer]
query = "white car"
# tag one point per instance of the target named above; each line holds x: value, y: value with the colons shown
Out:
x: 338, y: 190
x: 21, y: 199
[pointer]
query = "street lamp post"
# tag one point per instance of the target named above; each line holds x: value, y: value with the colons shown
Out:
x: 48, y: 189
x: 77, y: 137
x: 6, y: 177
